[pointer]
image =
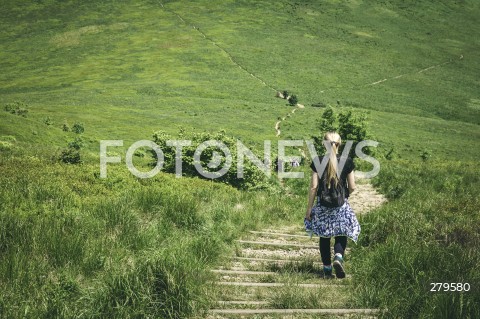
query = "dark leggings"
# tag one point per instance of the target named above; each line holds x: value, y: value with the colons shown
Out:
x: 340, y: 246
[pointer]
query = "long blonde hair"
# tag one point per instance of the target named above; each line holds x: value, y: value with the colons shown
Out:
x: 335, y: 141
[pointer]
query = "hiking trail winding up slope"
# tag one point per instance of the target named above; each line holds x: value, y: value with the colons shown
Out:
x: 277, y: 273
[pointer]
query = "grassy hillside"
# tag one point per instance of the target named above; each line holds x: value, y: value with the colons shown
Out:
x: 74, y: 245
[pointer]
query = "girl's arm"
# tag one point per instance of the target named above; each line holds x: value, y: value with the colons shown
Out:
x: 351, y: 182
x: 311, y: 194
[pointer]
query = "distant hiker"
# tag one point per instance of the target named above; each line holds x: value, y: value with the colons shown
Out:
x: 332, y: 216
x: 279, y: 165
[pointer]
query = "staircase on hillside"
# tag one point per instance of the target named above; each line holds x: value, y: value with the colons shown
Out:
x: 276, y: 273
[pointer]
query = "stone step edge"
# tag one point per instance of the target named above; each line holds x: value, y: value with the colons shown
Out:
x: 278, y: 234
x: 293, y: 311
x: 292, y: 260
x: 242, y: 302
x: 242, y: 272
x: 276, y: 284
x: 265, y: 243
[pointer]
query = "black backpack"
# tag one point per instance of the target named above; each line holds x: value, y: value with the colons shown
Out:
x: 333, y: 196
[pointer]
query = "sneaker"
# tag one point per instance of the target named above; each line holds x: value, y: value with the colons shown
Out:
x: 338, y: 265
x: 327, y: 271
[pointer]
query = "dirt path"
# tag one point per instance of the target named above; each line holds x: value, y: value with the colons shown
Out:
x: 221, y: 48
x: 277, y: 124
x: 277, y: 273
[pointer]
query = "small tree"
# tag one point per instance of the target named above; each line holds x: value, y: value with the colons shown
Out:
x: 65, y: 127
x: 353, y: 126
x: 327, y: 122
x: 77, y: 143
x: 350, y: 125
x: 285, y: 94
x: 70, y: 155
x: 292, y: 100
x: 78, y: 128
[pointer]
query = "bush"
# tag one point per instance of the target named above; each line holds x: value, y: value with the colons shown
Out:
x: 70, y: 155
x: 5, y: 146
x: 76, y: 144
x: 425, y: 155
x: 48, y: 121
x: 285, y: 94
x: 78, y: 128
x: 292, y: 100
x: 350, y: 125
x: 65, y: 127
x: 17, y: 108
x: 253, y: 178
x: 327, y: 122
x: 319, y: 104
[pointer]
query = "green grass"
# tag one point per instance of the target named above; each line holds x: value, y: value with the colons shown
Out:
x: 74, y: 245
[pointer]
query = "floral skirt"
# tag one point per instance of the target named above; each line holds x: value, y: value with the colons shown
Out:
x: 331, y: 222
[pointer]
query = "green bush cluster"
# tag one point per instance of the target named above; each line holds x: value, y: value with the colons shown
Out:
x: 253, y: 177
x: 78, y: 128
x: 293, y: 100
x: 17, y: 108
x: 71, y: 154
x: 350, y: 124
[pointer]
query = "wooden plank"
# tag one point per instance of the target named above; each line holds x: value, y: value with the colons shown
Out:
x: 273, y: 284
x: 275, y: 260
x: 278, y: 234
x: 294, y: 311
x: 242, y: 302
x: 243, y: 272
x: 265, y: 243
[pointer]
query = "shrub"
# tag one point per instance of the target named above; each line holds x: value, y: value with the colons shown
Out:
x: 48, y: 121
x: 17, y: 108
x: 425, y: 155
x: 253, y: 178
x: 70, y: 155
x: 78, y: 128
x: 292, y: 100
x: 8, y: 138
x: 327, y: 122
x: 285, y: 94
x: 76, y: 144
x: 319, y: 104
x: 350, y: 125
x: 4, y: 145
x: 65, y: 127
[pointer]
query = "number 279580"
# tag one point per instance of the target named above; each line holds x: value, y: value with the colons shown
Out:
x: 453, y: 286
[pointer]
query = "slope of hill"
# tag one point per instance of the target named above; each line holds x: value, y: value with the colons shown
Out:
x: 74, y: 245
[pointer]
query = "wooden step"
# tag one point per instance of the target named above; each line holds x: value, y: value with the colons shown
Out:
x: 288, y: 260
x: 294, y: 311
x: 265, y: 243
x: 243, y: 302
x: 272, y: 284
x: 278, y: 234
x: 243, y: 272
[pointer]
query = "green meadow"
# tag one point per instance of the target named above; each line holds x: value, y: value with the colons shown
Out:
x: 74, y: 245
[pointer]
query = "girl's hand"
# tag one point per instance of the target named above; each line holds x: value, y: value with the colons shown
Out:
x: 308, y: 215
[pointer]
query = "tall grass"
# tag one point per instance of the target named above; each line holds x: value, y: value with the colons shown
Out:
x: 429, y: 233
x: 76, y: 246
